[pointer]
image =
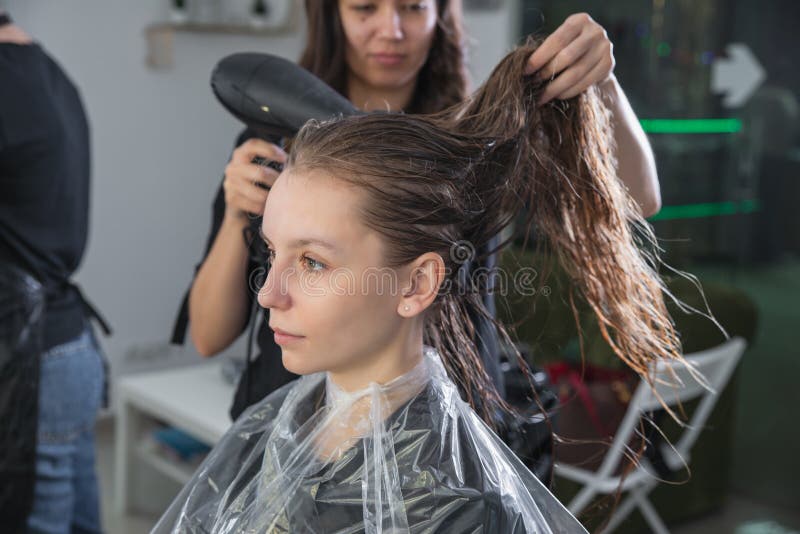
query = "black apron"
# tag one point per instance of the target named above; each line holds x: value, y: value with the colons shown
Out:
x: 22, y: 314
x: 22, y: 305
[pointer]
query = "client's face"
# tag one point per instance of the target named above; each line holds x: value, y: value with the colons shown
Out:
x: 332, y: 306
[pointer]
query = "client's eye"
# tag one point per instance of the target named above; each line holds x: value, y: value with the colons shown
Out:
x: 312, y: 264
x: 270, y: 256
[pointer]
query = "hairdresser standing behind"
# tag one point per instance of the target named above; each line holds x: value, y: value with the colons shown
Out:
x: 51, y: 369
x: 381, y: 54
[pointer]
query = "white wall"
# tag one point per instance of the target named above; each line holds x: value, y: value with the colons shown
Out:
x: 160, y: 142
x: 492, y: 34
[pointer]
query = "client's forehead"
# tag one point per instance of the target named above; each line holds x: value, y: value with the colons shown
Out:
x: 311, y: 205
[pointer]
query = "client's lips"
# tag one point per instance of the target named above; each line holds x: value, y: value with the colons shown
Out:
x: 283, y: 337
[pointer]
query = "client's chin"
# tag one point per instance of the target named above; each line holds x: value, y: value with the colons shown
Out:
x: 296, y: 363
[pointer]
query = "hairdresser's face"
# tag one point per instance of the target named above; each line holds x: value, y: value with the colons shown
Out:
x: 319, y: 287
x: 387, y: 40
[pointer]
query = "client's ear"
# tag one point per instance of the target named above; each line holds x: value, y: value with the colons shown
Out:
x: 425, y: 276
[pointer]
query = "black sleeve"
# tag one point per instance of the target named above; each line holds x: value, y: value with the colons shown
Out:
x: 8, y: 95
x: 255, y: 252
x: 16, y: 89
x: 26, y: 95
x: 3, y: 141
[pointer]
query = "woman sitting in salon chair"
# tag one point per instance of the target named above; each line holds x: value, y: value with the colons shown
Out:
x: 389, y: 427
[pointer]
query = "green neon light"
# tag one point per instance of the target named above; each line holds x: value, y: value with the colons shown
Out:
x: 709, y: 209
x: 691, y: 126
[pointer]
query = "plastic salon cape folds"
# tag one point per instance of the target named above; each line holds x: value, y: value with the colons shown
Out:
x: 407, y: 456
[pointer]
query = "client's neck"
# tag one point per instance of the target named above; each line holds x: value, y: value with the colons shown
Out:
x: 397, y: 358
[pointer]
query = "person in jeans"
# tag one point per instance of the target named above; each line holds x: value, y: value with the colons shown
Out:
x: 52, y: 371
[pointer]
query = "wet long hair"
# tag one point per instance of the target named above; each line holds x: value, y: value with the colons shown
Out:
x: 461, y: 176
x: 442, y: 80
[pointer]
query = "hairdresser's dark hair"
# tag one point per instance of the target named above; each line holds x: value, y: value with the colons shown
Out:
x: 442, y: 80
x: 433, y: 182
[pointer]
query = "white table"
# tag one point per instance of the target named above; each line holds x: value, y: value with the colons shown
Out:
x: 194, y: 399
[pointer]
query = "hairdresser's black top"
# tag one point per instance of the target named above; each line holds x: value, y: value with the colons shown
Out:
x: 44, y: 181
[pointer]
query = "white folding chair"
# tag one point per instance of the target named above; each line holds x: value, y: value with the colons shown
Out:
x: 716, y: 365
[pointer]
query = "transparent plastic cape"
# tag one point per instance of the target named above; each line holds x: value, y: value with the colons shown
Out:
x: 406, y: 456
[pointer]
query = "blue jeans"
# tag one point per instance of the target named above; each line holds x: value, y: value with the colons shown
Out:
x: 70, y: 392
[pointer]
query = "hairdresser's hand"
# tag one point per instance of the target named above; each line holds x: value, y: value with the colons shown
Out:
x: 246, y: 183
x: 578, y: 54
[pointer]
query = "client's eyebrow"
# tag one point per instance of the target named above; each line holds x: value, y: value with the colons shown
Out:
x: 297, y: 243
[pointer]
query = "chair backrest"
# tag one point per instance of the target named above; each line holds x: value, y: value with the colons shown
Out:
x: 675, y: 383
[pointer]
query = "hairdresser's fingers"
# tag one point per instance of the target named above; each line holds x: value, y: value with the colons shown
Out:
x: 240, y: 204
x: 252, y: 173
x: 577, y: 78
x: 252, y: 208
x: 253, y: 148
x: 557, y: 41
x: 568, y: 67
x: 245, y: 200
x: 587, y: 43
x: 566, y: 81
x: 602, y: 57
x: 246, y: 187
x: 599, y: 73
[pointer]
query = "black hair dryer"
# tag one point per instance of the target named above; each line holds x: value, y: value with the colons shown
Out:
x: 273, y: 96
